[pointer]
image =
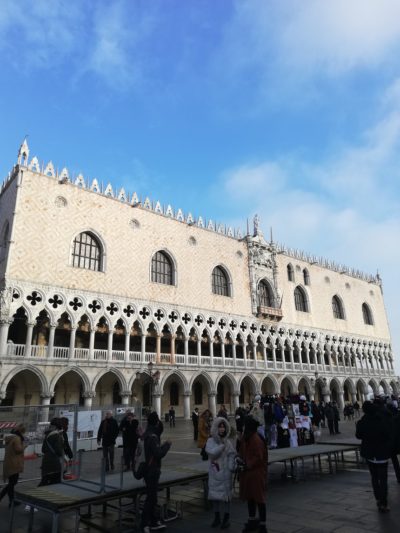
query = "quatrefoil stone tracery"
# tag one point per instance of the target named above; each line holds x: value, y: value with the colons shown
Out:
x: 94, y: 306
x: 55, y: 301
x: 34, y: 298
x: 75, y: 303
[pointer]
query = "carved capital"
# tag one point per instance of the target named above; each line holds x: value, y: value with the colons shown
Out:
x: 89, y: 394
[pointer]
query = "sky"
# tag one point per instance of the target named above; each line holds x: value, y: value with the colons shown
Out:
x: 285, y: 108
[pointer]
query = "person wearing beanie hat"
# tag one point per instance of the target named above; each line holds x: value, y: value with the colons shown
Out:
x: 154, y: 451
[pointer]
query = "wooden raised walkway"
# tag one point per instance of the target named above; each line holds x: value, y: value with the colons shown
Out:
x: 71, y: 496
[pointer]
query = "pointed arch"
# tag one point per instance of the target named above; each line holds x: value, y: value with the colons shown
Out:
x: 118, y: 374
x: 178, y: 374
x: 211, y: 388
x: 30, y: 368
x: 272, y: 379
x: 77, y: 370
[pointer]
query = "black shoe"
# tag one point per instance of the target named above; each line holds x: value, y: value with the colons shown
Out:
x: 225, y: 522
x: 217, y: 520
x: 251, y: 525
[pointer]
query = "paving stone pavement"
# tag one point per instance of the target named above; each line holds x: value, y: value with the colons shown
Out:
x: 324, y: 503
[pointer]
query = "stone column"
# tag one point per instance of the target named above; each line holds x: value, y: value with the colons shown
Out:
x: 264, y: 349
x: 44, y: 412
x: 291, y: 357
x: 143, y: 348
x: 158, y: 349
x: 125, y: 397
x: 234, y: 353
x: 72, y: 336
x: 212, y: 403
x: 127, y: 345
x: 353, y: 397
x: 223, y: 353
x: 88, y: 397
x: 110, y: 345
x: 186, y: 345
x: 308, y: 357
x: 211, y: 352
x: 274, y: 356
x: 91, y: 344
x: 173, y: 349
x: 186, y: 405
x: 157, y: 403
x: 341, y: 400
x: 199, y: 351
x: 28, y: 341
x: 4, y: 327
x: 235, y: 397
x: 50, y: 347
x: 255, y: 354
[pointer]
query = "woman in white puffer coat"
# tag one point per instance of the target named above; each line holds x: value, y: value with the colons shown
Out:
x: 221, y: 456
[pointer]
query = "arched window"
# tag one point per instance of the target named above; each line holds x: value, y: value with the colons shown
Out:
x: 265, y: 294
x: 220, y: 282
x: 162, y: 270
x: 87, y: 252
x: 367, y: 314
x: 337, y: 307
x: 290, y: 272
x: 300, y: 300
x: 306, y: 277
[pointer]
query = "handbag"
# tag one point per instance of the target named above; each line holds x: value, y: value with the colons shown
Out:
x: 141, y: 470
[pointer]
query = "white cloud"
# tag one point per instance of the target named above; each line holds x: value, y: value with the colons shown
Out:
x: 303, y: 39
x: 82, y: 37
x: 352, y: 214
x: 113, y: 54
x: 40, y: 34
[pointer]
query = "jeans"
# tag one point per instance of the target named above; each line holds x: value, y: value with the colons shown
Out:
x: 149, y: 515
x: 108, y: 454
x: 379, y: 481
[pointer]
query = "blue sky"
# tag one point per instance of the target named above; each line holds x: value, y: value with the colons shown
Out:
x: 290, y: 109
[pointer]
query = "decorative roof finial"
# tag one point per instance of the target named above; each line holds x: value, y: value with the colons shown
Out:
x: 271, y: 236
x: 23, y: 153
x: 256, y: 223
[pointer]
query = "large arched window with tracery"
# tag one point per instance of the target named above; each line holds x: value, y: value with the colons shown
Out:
x: 87, y: 252
x: 367, y: 314
x: 265, y: 294
x: 300, y: 299
x: 162, y: 270
x: 220, y: 282
x: 337, y: 307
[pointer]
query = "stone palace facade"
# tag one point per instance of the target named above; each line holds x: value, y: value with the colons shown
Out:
x: 95, y: 284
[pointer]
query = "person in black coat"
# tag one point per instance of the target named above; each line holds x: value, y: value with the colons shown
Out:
x: 107, y: 435
x: 53, y: 452
x: 154, y: 451
x: 129, y: 430
x: 195, y: 421
x: 376, y: 433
